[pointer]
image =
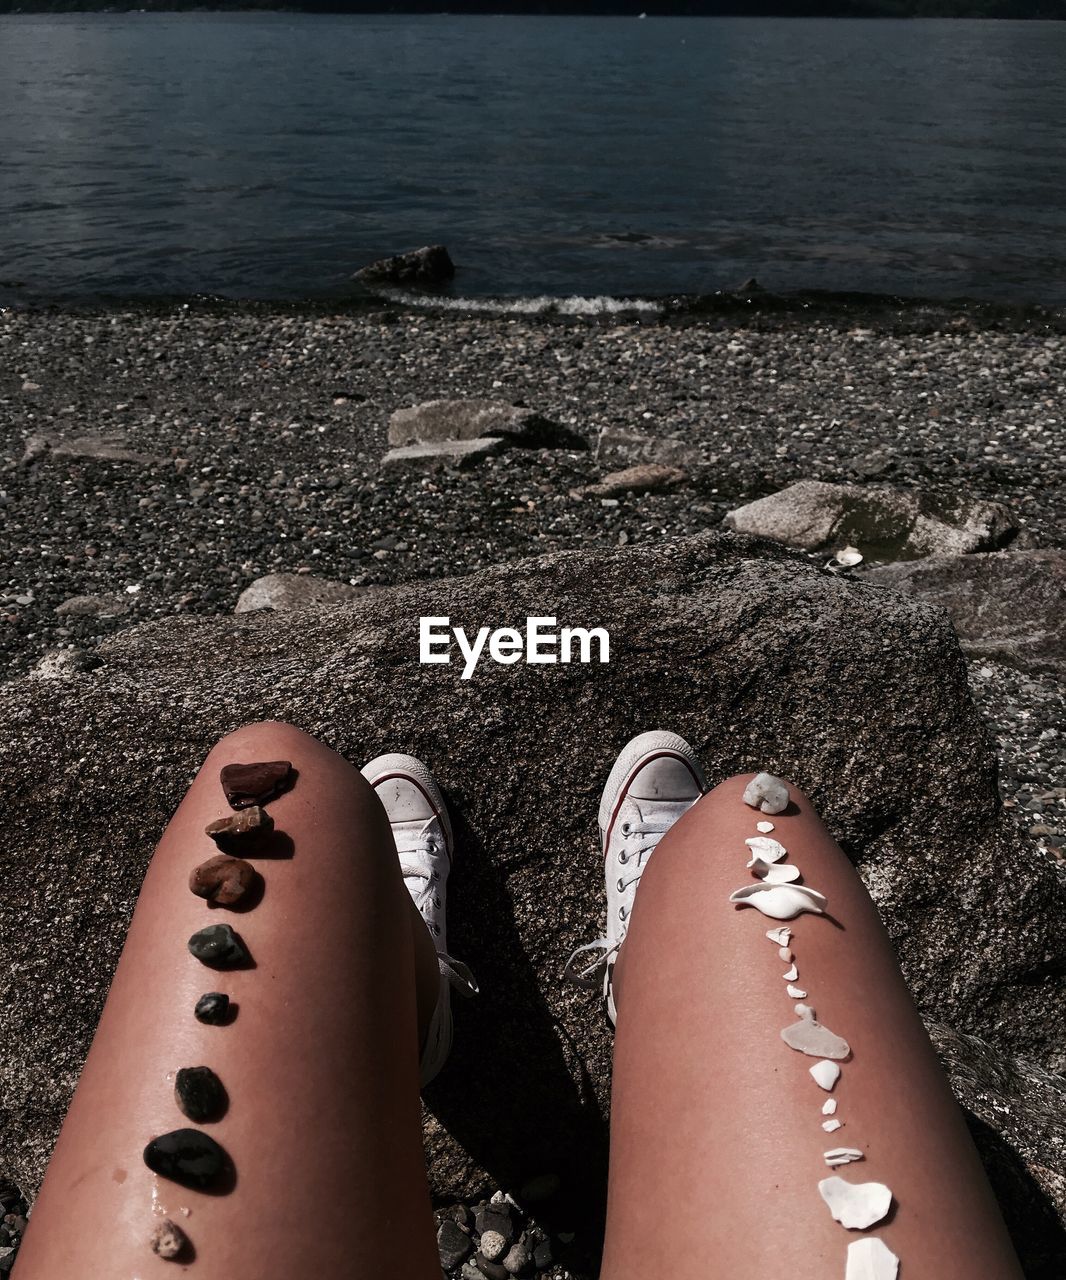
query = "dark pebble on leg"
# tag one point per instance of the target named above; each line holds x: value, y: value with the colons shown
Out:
x: 200, y: 1094
x: 188, y: 1157
x: 248, y: 784
x: 213, y: 1008
x: 219, y: 947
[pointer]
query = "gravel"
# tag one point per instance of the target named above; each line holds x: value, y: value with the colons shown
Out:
x: 255, y: 435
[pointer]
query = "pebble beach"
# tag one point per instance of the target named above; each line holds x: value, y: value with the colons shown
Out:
x: 215, y: 444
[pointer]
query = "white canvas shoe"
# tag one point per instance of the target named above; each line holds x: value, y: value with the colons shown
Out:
x: 656, y: 778
x: 423, y: 834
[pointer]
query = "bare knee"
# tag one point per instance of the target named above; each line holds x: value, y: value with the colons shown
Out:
x: 264, y: 740
x: 732, y: 790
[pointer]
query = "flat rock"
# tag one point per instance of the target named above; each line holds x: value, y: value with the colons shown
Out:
x: 104, y: 606
x: 883, y: 523
x: 287, y: 591
x: 855, y: 694
x: 453, y: 1245
x: 109, y: 448
x: 645, y: 477
x: 459, y: 454
x: 244, y: 830
x: 431, y: 265
x: 255, y: 783
x: 1007, y: 605
x: 437, y: 421
x: 640, y: 447
x: 224, y: 880
x: 219, y: 946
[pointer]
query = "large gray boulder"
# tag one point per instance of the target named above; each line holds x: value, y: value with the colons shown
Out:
x: 438, y: 421
x: 759, y: 658
x: 1010, y: 606
x: 884, y: 523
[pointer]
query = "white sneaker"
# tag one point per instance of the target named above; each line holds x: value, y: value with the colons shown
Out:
x: 656, y: 778
x: 423, y: 834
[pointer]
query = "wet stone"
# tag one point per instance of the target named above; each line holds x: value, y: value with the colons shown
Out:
x: 246, y: 828
x: 169, y: 1241
x: 200, y: 1094
x: 188, y: 1157
x: 453, y: 1245
x: 212, y: 1008
x: 224, y: 880
x: 516, y: 1260
x: 219, y: 947
x: 255, y: 784
x: 493, y: 1245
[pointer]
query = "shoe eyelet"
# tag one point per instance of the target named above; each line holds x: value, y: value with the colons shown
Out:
x: 436, y: 930
x: 626, y: 828
x: 437, y: 903
x: 620, y: 886
x: 623, y: 857
x: 621, y: 913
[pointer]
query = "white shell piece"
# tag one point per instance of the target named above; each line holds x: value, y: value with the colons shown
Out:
x: 764, y: 826
x: 831, y: 1126
x: 795, y: 993
x: 781, y: 873
x: 805, y: 1011
x: 871, y: 1259
x: 780, y: 901
x: 785, y: 953
x: 780, y: 936
x: 810, y: 1037
x: 848, y: 557
x: 841, y: 1155
x: 765, y: 848
x: 825, y: 1074
x: 829, y: 1107
x: 767, y: 793
x: 792, y: 974
x: 855, y: 1205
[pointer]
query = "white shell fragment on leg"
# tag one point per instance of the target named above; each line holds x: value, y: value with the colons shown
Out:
x: 764, y: 827
x: 825, y: 1074
x: 780, y: 936
x: 856, y: 1205
x: 770, y: 873
x: 785, y: 953
x: 780, y: 901
x: 791, y: 974
x: 795, y: 993
x: 829, y: 1107
x: 871, y: 1259
x: 765, y: 848
x: 808, y: 1036
x: 766, y: 793
x: 837, y: 1156
x: 831, y: 1126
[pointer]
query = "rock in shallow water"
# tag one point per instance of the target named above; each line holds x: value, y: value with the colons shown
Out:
x: 224, y: 880
x: 213, y: 1008
x: 169, y: 1241
x: 188, y: 1157
x: 258, y: 783
x: 218, y: 946
x: 200, y: 1094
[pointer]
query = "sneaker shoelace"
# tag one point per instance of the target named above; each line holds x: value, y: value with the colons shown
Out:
x: 648, y: 833
x: 421, y: 878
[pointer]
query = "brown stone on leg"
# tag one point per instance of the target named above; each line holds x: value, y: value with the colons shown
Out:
x: 169, y: 1241
x: 248, y: 784
x: 224, y: 880
x: 245, y: 829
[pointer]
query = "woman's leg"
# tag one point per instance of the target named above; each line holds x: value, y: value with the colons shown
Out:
x: 716, y: 1127
x: 320, y: 1062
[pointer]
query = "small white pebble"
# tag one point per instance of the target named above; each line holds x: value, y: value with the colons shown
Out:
x: 830, y: 1126
x: 786, y: 954
x: 829, y: 1107
x: 825, y: 1074
x: 791, y: 974
x: 780, y: 936
x: 764, y: 827
x: 493, y: 1245
x: 796, y: 993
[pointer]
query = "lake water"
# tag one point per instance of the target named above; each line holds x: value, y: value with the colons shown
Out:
x: 270, y: 155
